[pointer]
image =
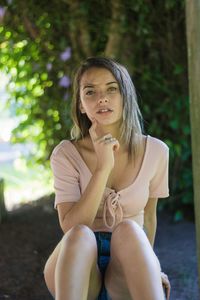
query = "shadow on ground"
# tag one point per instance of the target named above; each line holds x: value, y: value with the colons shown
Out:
x: 29, y: 235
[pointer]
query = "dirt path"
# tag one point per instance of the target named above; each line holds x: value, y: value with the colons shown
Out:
x: 28, y: 237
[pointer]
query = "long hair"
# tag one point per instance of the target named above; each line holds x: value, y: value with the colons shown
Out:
x: 131, y: 127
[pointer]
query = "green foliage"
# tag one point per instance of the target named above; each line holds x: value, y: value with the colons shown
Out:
x: 151, y: 44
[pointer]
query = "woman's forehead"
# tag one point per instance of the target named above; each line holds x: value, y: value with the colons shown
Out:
x: 97, y: 76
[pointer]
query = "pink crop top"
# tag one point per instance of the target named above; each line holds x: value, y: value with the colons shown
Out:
x: 71, y: 177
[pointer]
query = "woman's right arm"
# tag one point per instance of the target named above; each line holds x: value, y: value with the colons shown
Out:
x: 84, y: 211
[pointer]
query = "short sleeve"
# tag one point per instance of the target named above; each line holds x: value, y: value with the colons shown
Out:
x: 158, y: 187
x: 66, y: 177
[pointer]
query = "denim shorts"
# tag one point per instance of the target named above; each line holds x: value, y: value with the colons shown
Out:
x: 103, y: 245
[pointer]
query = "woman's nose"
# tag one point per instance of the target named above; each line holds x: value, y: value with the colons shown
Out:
x: 102, y: 98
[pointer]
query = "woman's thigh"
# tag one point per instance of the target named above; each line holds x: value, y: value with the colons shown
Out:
x: 49, y: 269
x: 49, y: 272
x: 115, y: 281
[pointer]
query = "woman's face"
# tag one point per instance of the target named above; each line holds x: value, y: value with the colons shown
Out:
x: 100, y: 96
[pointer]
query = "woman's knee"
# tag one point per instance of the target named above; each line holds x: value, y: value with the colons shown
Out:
x: 126, y: 230
x: 127, y: 234
x: 75, y: 241
x: 129, y: 237
x: 80, y: 237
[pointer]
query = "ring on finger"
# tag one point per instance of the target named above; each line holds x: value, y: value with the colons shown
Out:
x: 109, y: 139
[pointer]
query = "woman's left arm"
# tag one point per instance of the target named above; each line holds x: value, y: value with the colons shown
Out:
x: 150, y: 219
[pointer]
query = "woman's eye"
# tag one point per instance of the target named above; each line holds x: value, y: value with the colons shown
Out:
x: 112, y: 89
x: 88, y: 93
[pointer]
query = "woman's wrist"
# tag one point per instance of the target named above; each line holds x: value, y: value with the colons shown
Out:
x: 101, y: 176
x: 102, y: 170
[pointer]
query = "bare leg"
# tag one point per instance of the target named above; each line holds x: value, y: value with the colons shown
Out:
x: 134, y: 269
x: 74, y: 274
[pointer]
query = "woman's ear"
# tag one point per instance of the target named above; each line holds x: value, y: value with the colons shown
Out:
x: 81, y: 108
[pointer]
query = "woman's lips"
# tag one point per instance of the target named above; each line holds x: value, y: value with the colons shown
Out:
x: 104, y: 111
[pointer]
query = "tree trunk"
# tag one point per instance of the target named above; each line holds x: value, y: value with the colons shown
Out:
x: 2, y: 204
x: 79, y: 31
x: 115, y: 33
x: 193, y: 41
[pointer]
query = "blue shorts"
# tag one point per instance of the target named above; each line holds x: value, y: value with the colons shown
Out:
x: 103, y: 244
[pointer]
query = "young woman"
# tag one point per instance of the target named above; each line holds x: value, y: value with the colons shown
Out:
x: 107, y: 180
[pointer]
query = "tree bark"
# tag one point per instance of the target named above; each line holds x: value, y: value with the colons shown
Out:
x: 115, y: 34
x: 79, y: 31
x: 3, y: 212
x: 193, y: 43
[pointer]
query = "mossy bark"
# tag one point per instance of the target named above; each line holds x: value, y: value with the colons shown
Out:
x: 193, y: 41
x: 2, y: 203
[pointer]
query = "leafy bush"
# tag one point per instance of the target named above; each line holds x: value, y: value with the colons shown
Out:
x: 42, y: 45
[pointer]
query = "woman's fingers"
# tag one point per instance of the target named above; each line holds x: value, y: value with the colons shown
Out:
x: 104, y: 146
x: 166, y: 284
x: 114, y: 142
x: 108, y: 139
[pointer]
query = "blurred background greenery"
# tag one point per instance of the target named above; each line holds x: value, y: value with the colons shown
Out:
x: 42, y: 43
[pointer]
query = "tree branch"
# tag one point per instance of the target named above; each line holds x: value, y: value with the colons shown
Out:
x: 31, y: 29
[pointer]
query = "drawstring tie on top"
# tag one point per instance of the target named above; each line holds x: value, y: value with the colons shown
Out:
x: 113, y: 206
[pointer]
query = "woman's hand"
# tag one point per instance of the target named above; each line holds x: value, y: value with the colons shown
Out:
x: 104, y: 147
x: 166, y: 284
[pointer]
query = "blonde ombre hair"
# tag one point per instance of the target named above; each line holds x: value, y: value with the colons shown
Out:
x: 131, y: 127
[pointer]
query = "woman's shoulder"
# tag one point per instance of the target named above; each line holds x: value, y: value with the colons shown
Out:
x: 61, y: 147
x: 158, y: 144
x: 83, y: 145
x: 71, y: 148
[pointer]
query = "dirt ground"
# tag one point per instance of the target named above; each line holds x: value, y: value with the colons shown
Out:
x: 28, y: 236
